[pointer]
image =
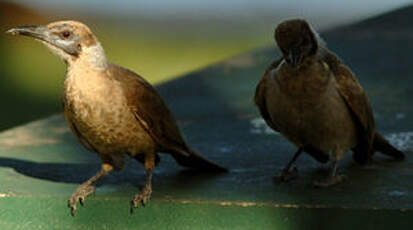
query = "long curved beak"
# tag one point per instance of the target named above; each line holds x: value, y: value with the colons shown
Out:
x: 35, y: 31
x: 42, y: 33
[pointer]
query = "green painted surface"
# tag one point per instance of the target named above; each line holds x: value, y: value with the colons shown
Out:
x: 42, y: 163
x: 113, y: 214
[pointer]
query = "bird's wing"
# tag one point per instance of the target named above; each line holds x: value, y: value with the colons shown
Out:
x: 75, y: 130
x: 358, y: 103
x: 260, y: 96
x: 149, y: 109
x: 154, y: 116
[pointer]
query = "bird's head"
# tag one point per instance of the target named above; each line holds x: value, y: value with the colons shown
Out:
x: 297, y: 40
x: 70, y: 40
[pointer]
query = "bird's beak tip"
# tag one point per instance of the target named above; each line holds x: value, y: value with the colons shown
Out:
x: 34, y: 31
x: 28, y: 30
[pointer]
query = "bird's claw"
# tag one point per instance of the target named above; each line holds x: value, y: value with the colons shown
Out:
x: 79, y: 196
x: 141, y: 198
x: 330, y: 181
x: 286, y: 175
x: 81, y: 200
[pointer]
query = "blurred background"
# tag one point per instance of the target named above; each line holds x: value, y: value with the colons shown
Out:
x: 159, y: 39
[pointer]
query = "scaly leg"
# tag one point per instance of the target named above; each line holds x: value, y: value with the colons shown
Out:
x: 87, y: 188
x: 332, y: 179
x: 286, y: 174
x: 144, y: 196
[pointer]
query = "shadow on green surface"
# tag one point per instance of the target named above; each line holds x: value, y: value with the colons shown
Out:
x: 79, y: 173
x: 57, y: 172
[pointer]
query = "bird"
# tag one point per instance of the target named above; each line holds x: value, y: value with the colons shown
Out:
x: 316, y: 102
x: 112, y: 111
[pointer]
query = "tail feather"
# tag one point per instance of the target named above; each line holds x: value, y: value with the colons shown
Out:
x: 382, y: 145
x: 192, y: 159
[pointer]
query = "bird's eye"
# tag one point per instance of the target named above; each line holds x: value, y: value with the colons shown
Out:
x: 65, y: 34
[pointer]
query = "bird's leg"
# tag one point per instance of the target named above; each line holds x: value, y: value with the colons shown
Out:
x: 332, y: 179
x: 145, y: 194
x: 286, y: 174
x: 87, y: 188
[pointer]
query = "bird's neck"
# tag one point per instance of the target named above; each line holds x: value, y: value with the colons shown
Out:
x: 87, y: 72
x: 86, y: 78
x: 92, y: 57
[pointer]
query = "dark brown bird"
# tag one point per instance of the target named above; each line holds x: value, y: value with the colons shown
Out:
x: 316, y: 102
x: 113, y: 111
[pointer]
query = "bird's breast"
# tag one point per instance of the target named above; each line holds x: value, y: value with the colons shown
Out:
x: 94, y: 98
x: 309, y: 110
x: 98, y: 107
x: 307, y: 83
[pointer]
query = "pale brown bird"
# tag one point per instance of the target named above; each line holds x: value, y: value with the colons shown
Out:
x: 316, y: 102
x: 113, y: 111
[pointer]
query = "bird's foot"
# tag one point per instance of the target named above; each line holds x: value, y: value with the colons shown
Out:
x: 142, y: 198
x: 286, y: 175
x: 80, y: 195
x: 329, y: 181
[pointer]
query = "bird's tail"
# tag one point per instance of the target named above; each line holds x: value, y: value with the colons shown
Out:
x: 192, y: 159
x: 382, y: 145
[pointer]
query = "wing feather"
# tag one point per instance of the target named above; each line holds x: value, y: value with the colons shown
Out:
x: 150, y: 110
x: 358, y: 103
x: 154, y: 116
x: 260, y: 96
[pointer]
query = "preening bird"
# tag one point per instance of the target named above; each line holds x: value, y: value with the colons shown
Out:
x: 313, y: 99
x: 112, y: 110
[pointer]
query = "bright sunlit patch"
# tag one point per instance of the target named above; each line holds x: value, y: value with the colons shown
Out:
x: 402, y: 140
x: 400, y: 116
x: 225, y: 149
x: 258, y: 126
x: 397, y: 193
x: 28, y: 135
